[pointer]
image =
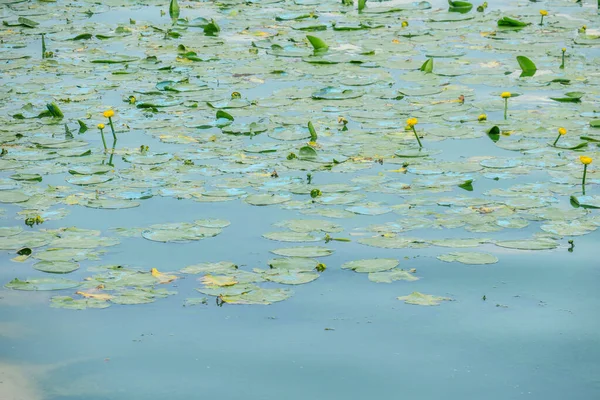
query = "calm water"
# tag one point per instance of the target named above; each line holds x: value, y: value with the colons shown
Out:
x: 535, y: 336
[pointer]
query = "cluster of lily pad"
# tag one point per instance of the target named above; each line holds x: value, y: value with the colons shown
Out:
x: 323, y: 125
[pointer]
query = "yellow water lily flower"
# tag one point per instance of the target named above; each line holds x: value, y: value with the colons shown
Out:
x: 100, y: 126
x: 108, y: 113
x: 482, y: 117
x: 505, y: 96
x: 561, y: 131
x: 564, y: 49
x: 404, y: 24
x: 585, y: 160
x: 411, y: 122
x: 543, y: 13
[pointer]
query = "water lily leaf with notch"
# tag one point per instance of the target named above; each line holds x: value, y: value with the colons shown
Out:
x: 303, y: 251
x: 179, y: 233
x: 148, y: 158
x: 42, y: 284
x: 570, y: 97
x: 84, y: 180
x: 266, y: 199
x: 310, y: 225
x: 421, y: 299
x: 333, y: 93
x: 159, y: 103
x: 471, y: 258
x: 288, y: 277
x: 216, y: 268
x: 528, y: 244
x: 293, y: 263
x: 110, y: 204
x: 372, y: 265
x: 569, y: 228
x: 291, y: 237
x: 26, y: 177
x: 393, y: 275
x: 77, y: 304
x: 13, y: 196
x: 527, y: 66
x: 115, y: 59
x: 394, y: 242
x: 180, y: 86
x: 218, y: 280
x: 56, y: 267
x: 133, y: 296
x: 57, y: 254
x: 258, y: 296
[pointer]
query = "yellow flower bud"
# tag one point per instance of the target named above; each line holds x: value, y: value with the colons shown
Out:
x: 505, y: 95
x: 564, y: 49
x: 404, y: 24
x: 412, y: 122
x: 585, y: 160
x: 562, y: 131
x: 482, y: 117
x: 108, y: 113
x: 543, y: 12
x: 100, y: 126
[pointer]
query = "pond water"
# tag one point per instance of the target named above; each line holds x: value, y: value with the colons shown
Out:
x: 225, y: 250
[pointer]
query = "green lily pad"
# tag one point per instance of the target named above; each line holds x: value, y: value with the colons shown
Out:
x: 421, y: 299
x: 371, y: 265
x: 303, y: 251
x: 42, y: 284
x: 469, y: 258
x: 392, y: 275
x: 56, y: 267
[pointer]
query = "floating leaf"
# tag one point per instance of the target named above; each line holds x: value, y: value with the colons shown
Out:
x: 303, y: 251
x: 371, y: 265
x: 570, y: 97
x: 56, y: 267
x: 393, y: 275
x: 422, y: 299
x: 469, y: 258
x: 42, y: 284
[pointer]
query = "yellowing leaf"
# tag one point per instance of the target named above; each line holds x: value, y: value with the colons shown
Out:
x: 162, y: 278
x: 212, y: 280
x: 97, y: 296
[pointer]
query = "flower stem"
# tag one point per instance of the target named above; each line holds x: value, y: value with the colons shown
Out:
x: 112, y: 128
x: 542, y: 21
x: 505, y: 107
x: 103, y: 140
x: 556, y: 141
x: 417, y: 136
x: 584, y: 175
x: 562, y: 66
